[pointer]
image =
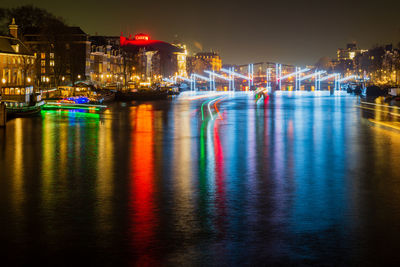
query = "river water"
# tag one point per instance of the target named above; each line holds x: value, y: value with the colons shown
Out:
x: 220, y: 180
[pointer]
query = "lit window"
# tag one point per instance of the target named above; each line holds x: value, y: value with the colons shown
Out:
x: 51, y: 55
x: 43, y: 55
x: 52, y: 63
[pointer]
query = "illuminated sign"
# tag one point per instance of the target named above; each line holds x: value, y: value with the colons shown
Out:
x: 141, y: 37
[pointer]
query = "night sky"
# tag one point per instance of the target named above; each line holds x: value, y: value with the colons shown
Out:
x: 298, y: 32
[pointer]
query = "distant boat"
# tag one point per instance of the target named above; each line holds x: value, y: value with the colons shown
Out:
x: 394, y: 92
x: 372, y: 91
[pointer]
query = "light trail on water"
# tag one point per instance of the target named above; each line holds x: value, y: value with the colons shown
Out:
x: 216, y: 108
x: 385, y: 124
x: 207, y: 95
x: 209, y: 103
x: 374, y: 109
x: 380, y: 105
x: 209, y: 106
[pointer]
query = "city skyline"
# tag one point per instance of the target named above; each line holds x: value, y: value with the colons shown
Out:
x: 241, y: 33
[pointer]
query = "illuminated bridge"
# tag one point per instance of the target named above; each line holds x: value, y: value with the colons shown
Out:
x: 271, y: 77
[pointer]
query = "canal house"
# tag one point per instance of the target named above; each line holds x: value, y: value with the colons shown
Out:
x: 16, y: 70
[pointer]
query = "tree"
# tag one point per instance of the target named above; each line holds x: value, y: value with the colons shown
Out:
x: 3, y: 18
x: 73, y: 62
x: 50, y: 30
x: 27, y: 66
x: 28, y: 17
x: 324, y: 63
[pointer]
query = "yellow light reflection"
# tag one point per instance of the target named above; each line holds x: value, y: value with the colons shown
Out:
x: 105, y: 165
x: 182, y: 172
x: 18, y: 181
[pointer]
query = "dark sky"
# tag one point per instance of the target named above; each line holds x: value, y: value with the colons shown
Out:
x: 298, y: 32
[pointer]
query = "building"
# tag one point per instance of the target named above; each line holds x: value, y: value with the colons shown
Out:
x: 106, y: 62
x: 204, y: 61
x: 181, y: 60
x: 345, y: 62
x: 381, y: 64
x: 348, y: 53
x: 154, y: 59
x: 391, y: 66
x: 16, y: 66
x: 62, y: 58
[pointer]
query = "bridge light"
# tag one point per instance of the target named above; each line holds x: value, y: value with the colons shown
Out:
x: 183, y: 78
x: 201, y: 77
x: 235, y: 74
x: 312, y: 75
x: 217, y: 75
x: 328, y: 77
x: 347, y: 78
x: 293, y: 74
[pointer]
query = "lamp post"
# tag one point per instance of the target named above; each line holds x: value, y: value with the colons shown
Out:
x: 3, y: 112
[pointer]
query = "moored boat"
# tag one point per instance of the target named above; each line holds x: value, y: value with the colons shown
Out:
x: 21, y: 101
x: 17, y: 109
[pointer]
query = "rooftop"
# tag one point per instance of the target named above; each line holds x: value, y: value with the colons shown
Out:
x: 11, y: 45
x: 143, y: 41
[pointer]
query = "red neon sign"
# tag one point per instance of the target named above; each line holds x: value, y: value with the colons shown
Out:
x: 142, y: 37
